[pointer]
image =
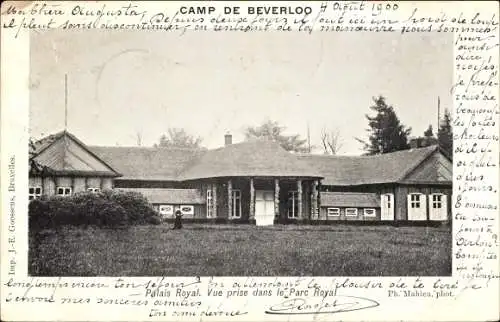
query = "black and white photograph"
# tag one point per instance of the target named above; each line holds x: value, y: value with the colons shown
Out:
x: 213, y: 154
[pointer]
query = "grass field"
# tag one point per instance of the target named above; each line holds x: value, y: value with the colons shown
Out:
x: 242, y: 250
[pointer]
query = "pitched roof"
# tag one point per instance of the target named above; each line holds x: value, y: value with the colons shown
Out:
x: 257, y: 157
x: 169, y: 196
x: 147, y: 163
x: 62, y: 153
x: 349, y: 199
x: 359, y: 170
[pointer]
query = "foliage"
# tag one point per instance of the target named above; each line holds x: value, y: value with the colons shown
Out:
x: 387, y: 134
x: 331, y: 141
x: 110, y: 208
x: 445, y: 134
x: 429, y: 132
x: 177, y: 137
x: 427, y: 140
x: 273, y: 131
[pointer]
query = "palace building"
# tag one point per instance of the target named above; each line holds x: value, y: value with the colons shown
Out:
x: 251, y: 182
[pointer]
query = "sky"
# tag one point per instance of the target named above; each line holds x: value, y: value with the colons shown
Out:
x: 125, y: 83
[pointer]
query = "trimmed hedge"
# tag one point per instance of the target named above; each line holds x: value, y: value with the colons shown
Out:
x: 110, y: 208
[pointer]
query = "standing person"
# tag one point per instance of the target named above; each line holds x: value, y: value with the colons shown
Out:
x: 178, y: 220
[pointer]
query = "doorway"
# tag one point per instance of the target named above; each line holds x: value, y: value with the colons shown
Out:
x: 264, y: 207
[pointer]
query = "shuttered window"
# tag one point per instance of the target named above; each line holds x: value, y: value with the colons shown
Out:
x: 415, y: 200
x: 437, y: 201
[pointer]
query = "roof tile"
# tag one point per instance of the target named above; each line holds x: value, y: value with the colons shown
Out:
x: 169, y: 196
x: 359, y: 170
x: 349, y: 199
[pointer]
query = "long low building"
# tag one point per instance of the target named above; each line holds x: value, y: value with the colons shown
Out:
x: 252, y: 181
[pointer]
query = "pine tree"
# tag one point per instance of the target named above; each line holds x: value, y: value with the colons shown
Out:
x: 429, y: 138
x: 445, y: 134
x: 387, y: 134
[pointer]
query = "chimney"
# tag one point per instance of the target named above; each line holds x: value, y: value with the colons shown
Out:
x: 228, y: 139
x: 417, y: 143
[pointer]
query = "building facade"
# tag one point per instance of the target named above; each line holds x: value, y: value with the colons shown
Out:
x: 251, y: 182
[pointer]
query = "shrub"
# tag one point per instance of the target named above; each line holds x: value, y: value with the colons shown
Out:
x: 135, y: 204
x: 38, y: 214
x: 111, y: 208
x: 112, y: 215
x: 154, y: 220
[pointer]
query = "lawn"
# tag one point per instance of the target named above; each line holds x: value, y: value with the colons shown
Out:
x: 242, y: 250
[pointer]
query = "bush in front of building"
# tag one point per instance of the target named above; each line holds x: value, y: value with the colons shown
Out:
x: 112, y: 209
x: 136, y: 205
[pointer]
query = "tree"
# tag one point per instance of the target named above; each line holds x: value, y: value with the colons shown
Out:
x: 428, y: 139
x: 273, y: 131
x: 387, y: 134
x: 429, y: 133
x: 445, y: 134
x: 138, y: 136
x: 331, y: 141
x: 177, y: 137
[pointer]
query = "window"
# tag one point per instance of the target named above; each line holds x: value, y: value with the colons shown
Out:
x: 388, y: 199
x: 293, y: 204
x: 94, y: 190
x: 166, y: 210
x: 210, y: 204
x: 34, y: 193
x: 63, y: 191
x: 369, y: 212
x: 333, y: 212
x: 187, y: 210
x: 351, y: 212
x: 415, y: 200
x: 437, y: 201
x: 236, y: 194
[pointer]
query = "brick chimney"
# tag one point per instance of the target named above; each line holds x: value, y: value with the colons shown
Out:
x: 228, y: 139
x: 417, y: 143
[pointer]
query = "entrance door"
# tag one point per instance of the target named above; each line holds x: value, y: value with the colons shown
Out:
x: 387, y: 204
x: 264, y: 207
x: 438, y: 207
x: 417, y: 206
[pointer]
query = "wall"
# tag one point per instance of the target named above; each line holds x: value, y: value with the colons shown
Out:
x: 324, y: 215
x: 77, y: 184
x: 435, y: 168
x: 222, y: 200
x: 121, y: 183
x: 400, y: 194
x: 401, y: 198
x: 199, y: 211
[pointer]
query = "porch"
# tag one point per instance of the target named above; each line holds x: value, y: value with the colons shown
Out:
x: 263, y: 200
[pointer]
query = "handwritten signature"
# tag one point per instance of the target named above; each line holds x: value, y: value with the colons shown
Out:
x: 336, y: 304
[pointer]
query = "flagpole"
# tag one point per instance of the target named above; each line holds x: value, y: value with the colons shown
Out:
x: 65, y: 102
x: 439, y: 114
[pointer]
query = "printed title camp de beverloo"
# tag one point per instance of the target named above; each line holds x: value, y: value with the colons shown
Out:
x: 253, y: 181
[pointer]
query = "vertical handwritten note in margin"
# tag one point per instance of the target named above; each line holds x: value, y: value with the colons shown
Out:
x: 475, y: 128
